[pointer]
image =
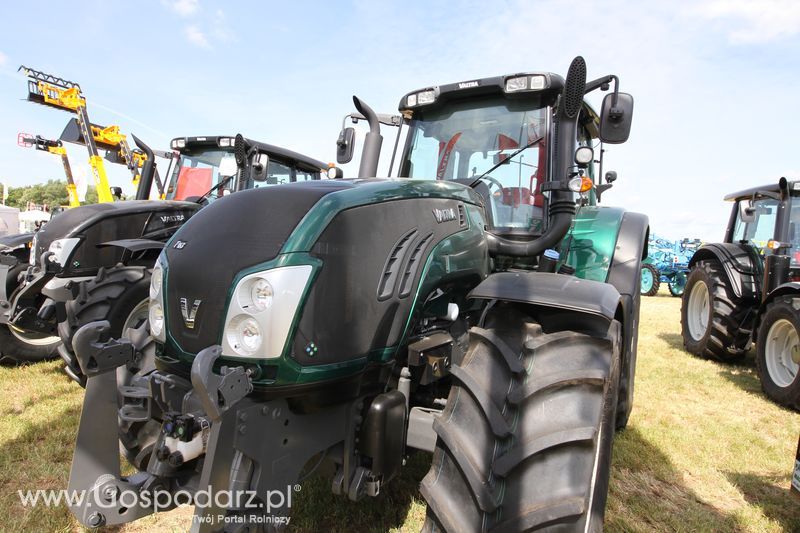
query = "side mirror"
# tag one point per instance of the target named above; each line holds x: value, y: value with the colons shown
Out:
x: 345, y: 145
x: 747, y: 213
x: 615, y: 120
x: 258, y: 167
x: 116, y: 192
x: 611, y: 176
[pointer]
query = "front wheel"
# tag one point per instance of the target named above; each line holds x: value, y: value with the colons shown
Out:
x: 18, y: 346
x: 651, y: 280
x: 678, y: 284
x: 525, y: 438
x: 711, y: 316
x: 778, y: 352
x: 119, y: 295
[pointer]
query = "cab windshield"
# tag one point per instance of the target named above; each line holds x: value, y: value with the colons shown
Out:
x: 759, y: 231
x: 196, y: 173
x: 466, y: 139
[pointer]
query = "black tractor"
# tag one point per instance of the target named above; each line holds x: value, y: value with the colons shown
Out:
x: 480, y: 306
x: 746, y: 290
x: 94, y: 262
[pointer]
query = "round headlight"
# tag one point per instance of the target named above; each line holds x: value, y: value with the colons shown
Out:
x: 156, y: 315
x: 244, y: 335
x: 261, y: 294
x: 155, y: 282
x: 255, y: 295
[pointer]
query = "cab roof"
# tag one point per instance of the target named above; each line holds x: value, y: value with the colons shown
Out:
x: 278, y: 152
x: 772, y: 187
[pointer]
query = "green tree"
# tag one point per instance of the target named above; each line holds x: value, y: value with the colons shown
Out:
x: 52, y: 194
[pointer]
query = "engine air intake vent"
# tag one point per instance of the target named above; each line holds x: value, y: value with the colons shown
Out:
x: 391, y: 271
x: 413, y: 266
x: 462, y: 216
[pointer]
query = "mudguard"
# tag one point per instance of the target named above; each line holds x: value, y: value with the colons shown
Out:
x: 12, y: 242
x: 791, y: 288
x: 631, y: 248
x: 134, y: 245
x: 743, y: 268
x: 554, y: 291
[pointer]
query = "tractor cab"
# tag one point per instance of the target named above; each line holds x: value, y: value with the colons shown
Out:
x: 209, y: 167
x: 767, y: 221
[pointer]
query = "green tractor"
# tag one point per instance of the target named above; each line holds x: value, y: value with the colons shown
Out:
x: 480, y: 307
x: 745, y: 290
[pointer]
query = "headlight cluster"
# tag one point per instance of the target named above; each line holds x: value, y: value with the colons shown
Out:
x: 262, y: 310
x: 156, y: 311
x: 62, y: 249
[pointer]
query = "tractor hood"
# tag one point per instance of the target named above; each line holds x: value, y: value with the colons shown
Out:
x: 350, y: 227
x: 96, y: 224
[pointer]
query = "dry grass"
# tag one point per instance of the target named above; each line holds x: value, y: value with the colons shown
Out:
x: 704, y: 451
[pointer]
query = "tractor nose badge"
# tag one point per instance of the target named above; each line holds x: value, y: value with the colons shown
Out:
x: 189, y: 314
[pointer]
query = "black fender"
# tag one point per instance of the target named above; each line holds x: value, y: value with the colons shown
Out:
x: 791, y: 288
x: 742, y: 267
x: 625, y: 274
x: 135, y: 245
x: 554, y: 297
x: 12, y: 242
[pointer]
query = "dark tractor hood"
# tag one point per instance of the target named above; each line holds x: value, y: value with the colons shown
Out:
x: 231, y: 234
x: 96, y: 224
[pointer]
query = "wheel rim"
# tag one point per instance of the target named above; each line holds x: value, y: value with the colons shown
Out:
x: 33, y: 339
x: 647, y: 280
x: 781, y: 343
x: 136, y: 317
x: 698, y: 311
x: 678, y: 283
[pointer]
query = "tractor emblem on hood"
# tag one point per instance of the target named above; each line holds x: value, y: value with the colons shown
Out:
x: 189, y: 314
x: 444, y: 215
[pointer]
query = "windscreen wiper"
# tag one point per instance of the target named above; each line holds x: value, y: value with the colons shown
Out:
x: 216, y: 187
x: 477, y: 180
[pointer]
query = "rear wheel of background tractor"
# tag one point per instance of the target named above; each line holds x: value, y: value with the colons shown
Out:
x: 678, y: 284
x: 525, y: 437
x: 778, y: 356
x: 651, y: 280
x: 711, y: 315
x: 19, y: 346
x: 119, y: 295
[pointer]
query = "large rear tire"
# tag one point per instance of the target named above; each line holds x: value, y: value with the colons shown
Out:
x: 711, y: 315
x: 778, y: 352
x: 117, y: 294
x: 525, y: 437
x: 651, y: 280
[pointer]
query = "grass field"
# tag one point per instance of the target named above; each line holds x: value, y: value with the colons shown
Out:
x: 704, y: 451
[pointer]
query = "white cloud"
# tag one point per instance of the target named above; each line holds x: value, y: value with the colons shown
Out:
x: 755, y: 22
x: 184, y: 8
x: 3, y: 59
x: 196, y: 36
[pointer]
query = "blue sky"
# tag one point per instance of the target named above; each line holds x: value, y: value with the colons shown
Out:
x: 715, y: 82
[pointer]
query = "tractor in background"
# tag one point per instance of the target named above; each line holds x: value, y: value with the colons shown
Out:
x: 480, y: 307
x: 745, y: 290
x: 667, y: 262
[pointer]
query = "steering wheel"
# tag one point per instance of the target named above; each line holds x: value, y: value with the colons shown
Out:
x: 493, y: 181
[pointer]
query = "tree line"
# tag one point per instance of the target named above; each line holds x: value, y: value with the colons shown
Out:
x: 52, y: 194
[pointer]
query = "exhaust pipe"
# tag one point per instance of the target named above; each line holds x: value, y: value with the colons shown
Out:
x: 371, y: 152
x: 148, y: 170
x: 561, y: 205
